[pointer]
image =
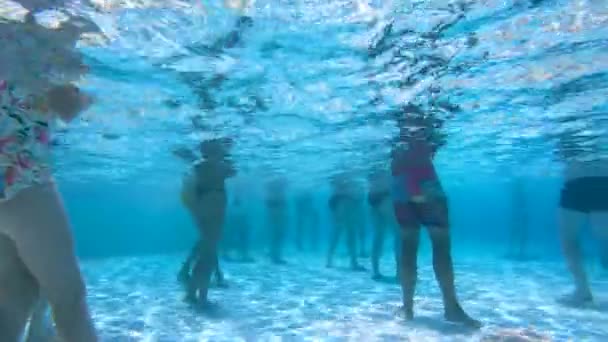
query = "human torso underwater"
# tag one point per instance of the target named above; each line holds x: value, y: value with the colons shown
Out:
x: 25, y: 125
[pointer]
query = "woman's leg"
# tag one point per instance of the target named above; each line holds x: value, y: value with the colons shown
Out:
x: 184, y: 273
x: 204, y: 268
x: 599, y: 224
x: 336, y: 232
x: 41, y: 327
x: 44, y: 243
x: 352, y: 225
x: 410, y: 240
x: 360, y: 231
x: 220, y: 280
x: 18, y: 291
x: 300, y: 228
x: 570, y: 226
x: 379, y: 229
x: 277, y: 233
x: 434, y: 214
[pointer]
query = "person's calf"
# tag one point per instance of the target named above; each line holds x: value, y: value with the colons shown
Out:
x: 572, y: 253
x: 71, y: 315
x: 409, y: 269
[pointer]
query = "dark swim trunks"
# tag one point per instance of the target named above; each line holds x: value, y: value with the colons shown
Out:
x: 586, y: 194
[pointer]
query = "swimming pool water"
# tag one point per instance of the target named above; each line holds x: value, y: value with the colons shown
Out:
x: 139, y: 299
x: 302, y: 98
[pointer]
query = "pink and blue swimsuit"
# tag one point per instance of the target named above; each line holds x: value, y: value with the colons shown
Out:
x: 24, y: 142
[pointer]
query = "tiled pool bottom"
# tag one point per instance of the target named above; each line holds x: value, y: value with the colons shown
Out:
x: 139, y: 299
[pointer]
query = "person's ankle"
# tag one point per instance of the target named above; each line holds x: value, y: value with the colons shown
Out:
x: 408, y: 309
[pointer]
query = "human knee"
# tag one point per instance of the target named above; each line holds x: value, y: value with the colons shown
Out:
x: 410, y: 235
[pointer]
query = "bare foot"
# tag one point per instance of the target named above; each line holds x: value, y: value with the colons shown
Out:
x: 190, y: 298
x: 576, y: 299
x: 407, y: 312
x: 457, y: 315
x: 357, y: 267
x: 206, y: 306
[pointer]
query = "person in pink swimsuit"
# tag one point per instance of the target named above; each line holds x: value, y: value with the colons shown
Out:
x: 419, y: 199
x: 37, y: 255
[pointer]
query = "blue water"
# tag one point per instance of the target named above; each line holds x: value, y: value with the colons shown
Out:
x: 303, y: 98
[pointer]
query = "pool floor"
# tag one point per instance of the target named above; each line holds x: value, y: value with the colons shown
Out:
x: 139, y: 299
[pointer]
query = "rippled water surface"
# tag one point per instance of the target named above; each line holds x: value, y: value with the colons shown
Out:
x: 315, y: 79
x: 306, y: 92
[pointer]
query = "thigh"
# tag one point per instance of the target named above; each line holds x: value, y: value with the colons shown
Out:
x: 18, y: 290
x: 599, y: 224
x: 571, y: 222
x: 407, y: 216
x: 44, y: 240
x: 210, y: 228
x: 434, y: 213
x: 377, y: 219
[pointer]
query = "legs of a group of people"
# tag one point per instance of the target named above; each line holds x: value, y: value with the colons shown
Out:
x: 432, y: 213
x: 277, y: 222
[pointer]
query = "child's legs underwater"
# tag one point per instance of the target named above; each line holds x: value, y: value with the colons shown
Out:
x: 40, y: 229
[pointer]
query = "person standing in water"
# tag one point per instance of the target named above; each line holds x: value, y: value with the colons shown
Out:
x: 204, y: 194
x: 341, y: 203
x: 419, y: 199
x: 379, y: 200
x: 276, y: 206
x: 361, y: 229
x: 201, y: 89
x: 37, y: 253
x: 584, y: 197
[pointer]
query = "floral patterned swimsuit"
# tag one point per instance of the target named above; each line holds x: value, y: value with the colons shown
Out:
x: 24, y: 142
